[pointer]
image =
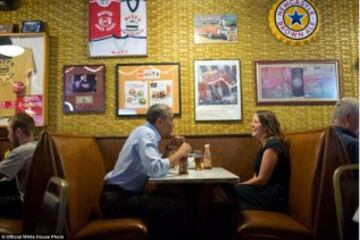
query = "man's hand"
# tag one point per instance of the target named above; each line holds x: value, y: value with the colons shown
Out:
x: 177, y: 140
x: 173, y: 145
x: 185, y: 148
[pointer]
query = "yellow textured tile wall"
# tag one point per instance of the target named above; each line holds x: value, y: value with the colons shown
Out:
x: 170, y: 39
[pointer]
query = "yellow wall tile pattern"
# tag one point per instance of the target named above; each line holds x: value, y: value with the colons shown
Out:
x: 170, y: 39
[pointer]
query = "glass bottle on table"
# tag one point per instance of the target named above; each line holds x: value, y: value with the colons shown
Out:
x: 207, y: 157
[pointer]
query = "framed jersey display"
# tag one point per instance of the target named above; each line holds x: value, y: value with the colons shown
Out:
x: 117, y: 28
x: 23, y: 76
x: 84, y: 87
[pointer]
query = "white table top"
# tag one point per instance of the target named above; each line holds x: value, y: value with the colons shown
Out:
x: 214, y: 175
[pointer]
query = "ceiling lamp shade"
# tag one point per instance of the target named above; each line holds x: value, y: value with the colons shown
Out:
x: 11, y: 50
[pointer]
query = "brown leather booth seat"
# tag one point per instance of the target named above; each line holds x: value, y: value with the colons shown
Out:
x: 82, y: 167
x: 234, y: 152
x: 314, y: 155
x: 10, y: 226
x: 310, y: 153
x: 78, y: 160
x: 42, y: 168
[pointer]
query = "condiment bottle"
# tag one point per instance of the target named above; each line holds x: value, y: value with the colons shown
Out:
x: 207, y: 157
x: 183, y: 166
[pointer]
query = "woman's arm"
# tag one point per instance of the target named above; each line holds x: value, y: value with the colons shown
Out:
x: 268, y: 163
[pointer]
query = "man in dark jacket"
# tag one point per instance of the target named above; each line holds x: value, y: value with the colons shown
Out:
x: 346, y: 123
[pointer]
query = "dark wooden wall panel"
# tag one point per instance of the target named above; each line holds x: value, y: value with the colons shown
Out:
x: 235, y: 153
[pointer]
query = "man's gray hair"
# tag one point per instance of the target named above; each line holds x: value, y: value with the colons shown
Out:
x: 344, y: 107
x: 157, y: 111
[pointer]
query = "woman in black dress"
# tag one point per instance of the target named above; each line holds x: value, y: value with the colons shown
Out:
x: 268, y: 188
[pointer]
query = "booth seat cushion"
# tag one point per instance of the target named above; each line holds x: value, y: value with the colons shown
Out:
x: 83, y: 169
x: 258, y: 223
x: 10, y: 226
x: 305, y: 151
x: 112, y: 229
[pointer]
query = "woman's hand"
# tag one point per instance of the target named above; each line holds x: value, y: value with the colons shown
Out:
x: 268, y: 163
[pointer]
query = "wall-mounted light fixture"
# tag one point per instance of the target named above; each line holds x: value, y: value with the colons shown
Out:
x: 11, y: 50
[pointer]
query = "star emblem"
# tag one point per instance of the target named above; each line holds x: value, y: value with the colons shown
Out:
x: 296, y: 18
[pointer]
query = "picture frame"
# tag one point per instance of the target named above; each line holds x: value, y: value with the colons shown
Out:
x: 297, y: 82
x: 7, y: 28
x: 24, y: 87
x: 117, y: 28
x: 215, y: 28
x: 84, y: 88
x: 141, y: 85
x: 217, y: 90
x: 32, y: 26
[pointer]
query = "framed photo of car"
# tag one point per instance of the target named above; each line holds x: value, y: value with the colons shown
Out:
x: 84, y: 88
x: 215, y: 28
x: 217, y: 90
x: 297, y: 82
x: 141, y: 85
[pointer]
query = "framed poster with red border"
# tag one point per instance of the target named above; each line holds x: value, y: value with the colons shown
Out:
x: 84, y: 88
x: 117, y: 28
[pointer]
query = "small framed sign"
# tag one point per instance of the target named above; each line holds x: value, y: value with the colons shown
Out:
x: 32, y: 26
x: 215, y: 28
x: 7, y: 28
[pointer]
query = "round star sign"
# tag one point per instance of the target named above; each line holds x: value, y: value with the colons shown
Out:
x: 294, y: 22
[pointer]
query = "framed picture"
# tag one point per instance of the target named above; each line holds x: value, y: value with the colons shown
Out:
x: 24, y: 76
x: 297, y: 82
x: 7, y: 28
x: 84, y: 88
x: 216, y: 28
x: 32, y: 26
x: 117, y: 28
x: 217, y: 90
x: 141, y: 85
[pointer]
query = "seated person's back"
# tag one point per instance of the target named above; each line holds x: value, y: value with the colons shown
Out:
x: 17, y: 164
x: 346, y: 124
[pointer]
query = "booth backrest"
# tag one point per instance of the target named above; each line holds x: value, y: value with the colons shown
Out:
x: 43, y: 167
x: 233, y: 152
x: 83, y: 168
x: 305, y: 150
x: 334, y: 155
